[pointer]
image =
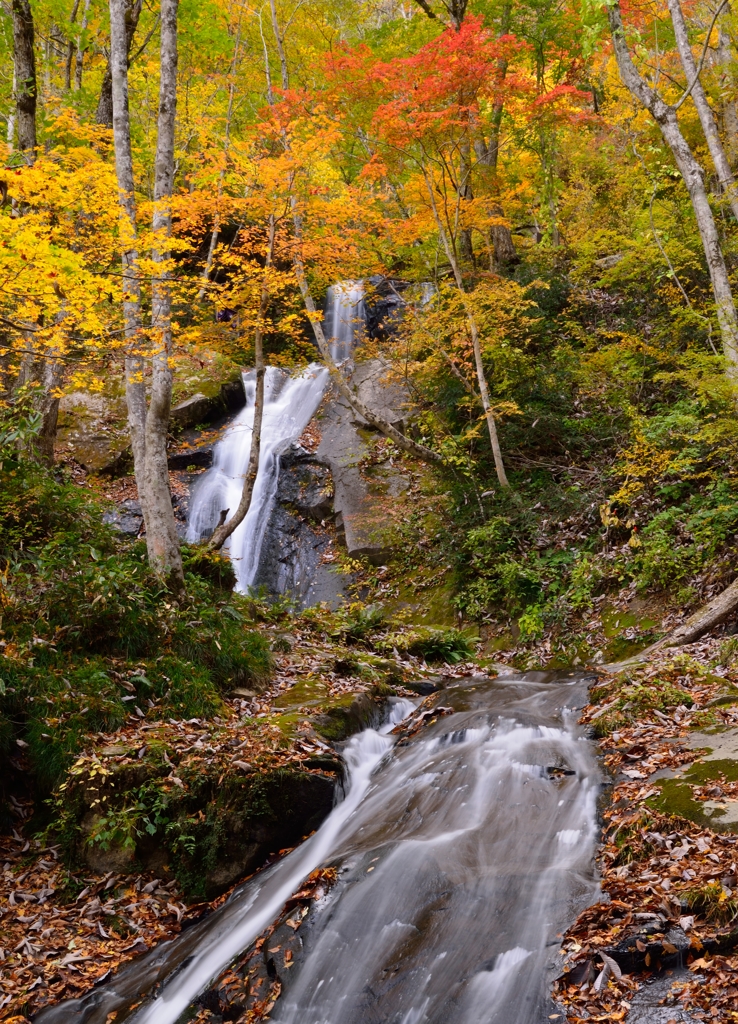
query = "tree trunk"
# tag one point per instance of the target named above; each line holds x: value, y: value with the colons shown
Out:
x: 476, y: 343
x: 706, y: 618
x: 80, y: 53
x: 466, y: 194
x: 666, y: 118
x: 161, y: 532
x: 225, y: 529
x: 24, y: 69
x: 704, y: 111
x: 503, y: 248
x: 48, y: 405
x: 70, y: 49
x: 131, y: 14
x: 148, y: 438
x: 728, y: 92
x: 41, y: 376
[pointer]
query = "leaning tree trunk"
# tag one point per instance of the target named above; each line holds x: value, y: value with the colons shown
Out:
x: 150, y: 466
x: 706, y: 618
x: 666, y: 118
x: 24, y: 69
x: 704, y: 110
x: 223, y: 531
x: 104, y: 113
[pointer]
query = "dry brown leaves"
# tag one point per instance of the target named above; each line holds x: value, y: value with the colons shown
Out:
x: 55, y: 945
x: 652, y: 866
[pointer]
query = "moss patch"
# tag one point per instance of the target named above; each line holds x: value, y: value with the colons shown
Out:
x: 676, y: 799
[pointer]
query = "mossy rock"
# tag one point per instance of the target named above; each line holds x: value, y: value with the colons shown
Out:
x: 348, y: 715
x: 676, y: 795
x: 209, y: 834
x: 244, y: 821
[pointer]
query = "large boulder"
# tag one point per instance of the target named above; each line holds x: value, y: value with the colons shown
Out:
x: 92, y: 429
x: 364, y: 492
x: 194, y: 410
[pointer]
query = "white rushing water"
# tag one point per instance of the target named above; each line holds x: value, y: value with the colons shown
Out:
x: 245, y: 919
x: 475, y: 853
x: 461, y: 855
x: 289, y: 405
x: 344, y: 317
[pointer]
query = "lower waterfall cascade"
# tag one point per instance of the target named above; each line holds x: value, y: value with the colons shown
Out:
x: 463, y: 849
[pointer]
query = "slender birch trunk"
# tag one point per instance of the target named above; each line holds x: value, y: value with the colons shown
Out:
x: 24, y: 73
x: 224, y: 530
x: 345, y: 389
x: 147, y: 426
x: 161, y: 531
x: 131, y: 14
x: 476, y: 342
x: 704, y: 110
x: 693, y: 175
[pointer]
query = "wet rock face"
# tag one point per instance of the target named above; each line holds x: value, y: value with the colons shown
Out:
x: 384, y: 306
x: 294, y: 543
x: 305, y: 483
x: 332, y: 482
x: 363, y: 497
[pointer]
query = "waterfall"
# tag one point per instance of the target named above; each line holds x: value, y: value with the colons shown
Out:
x: 344, y: 316
x: 289, y: 405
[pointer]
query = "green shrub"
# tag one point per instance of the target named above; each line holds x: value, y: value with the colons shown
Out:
x: 212, y: 566
x: 448, y: 645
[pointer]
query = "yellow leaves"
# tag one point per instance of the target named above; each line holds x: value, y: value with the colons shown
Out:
x: 643, y: 462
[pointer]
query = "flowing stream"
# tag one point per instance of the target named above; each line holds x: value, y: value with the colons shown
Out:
x: 289, y: 405
x: 463, y: 847
x: 462, y: 851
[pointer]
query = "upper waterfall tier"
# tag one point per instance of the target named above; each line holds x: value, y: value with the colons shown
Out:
x: 289, y: 405
x: 344, y: 318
